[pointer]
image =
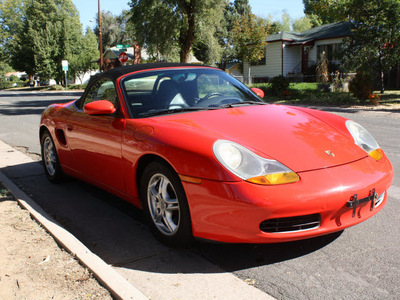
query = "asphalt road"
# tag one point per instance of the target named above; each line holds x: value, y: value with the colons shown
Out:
x: 362, y: 262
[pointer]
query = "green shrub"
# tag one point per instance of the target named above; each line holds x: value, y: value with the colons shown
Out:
x: 14, y: 78
x: 361, y: 86
x: 56, y: 88
x: 5, y: 84
x: 279, y: 84
x: 330, y: 99
x: 77, y: 86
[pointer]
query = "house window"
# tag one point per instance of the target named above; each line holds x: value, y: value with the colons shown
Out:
x: 331, y: 51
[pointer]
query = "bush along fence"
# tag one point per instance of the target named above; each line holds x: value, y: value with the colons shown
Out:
x: 342, y: 89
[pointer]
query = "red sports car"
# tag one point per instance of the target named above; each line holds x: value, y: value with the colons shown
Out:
x: 204, y: 157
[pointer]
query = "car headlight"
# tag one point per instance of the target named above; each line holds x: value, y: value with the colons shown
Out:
x: 251, y: 167
x: 364, y: 139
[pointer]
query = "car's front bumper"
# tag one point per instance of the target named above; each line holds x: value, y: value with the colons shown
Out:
x: 233, y: 211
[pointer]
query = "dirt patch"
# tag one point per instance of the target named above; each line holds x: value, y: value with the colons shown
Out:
x: 33, y: 266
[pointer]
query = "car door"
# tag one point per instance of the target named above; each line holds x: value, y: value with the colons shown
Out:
x: 95, y: 140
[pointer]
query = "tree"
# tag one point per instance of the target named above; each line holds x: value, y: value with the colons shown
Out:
x: 286, y: 23
x: 33, y: 35
x: 111, y: 29
x: 70, y: 38
x: 11, y: 22
x: 50, y: 32
x: 232, y: 12
x: 250, y: 33
x: 326, y: 11
x: 183, y: 22
x: 83, y: 61
x: 374, y: 45
x: 301, y: 24
x: 242, y: 7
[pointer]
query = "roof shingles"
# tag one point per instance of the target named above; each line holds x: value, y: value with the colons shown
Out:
x: 339, y: 29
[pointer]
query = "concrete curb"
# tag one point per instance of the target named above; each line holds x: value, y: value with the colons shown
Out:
x: 119, y: 287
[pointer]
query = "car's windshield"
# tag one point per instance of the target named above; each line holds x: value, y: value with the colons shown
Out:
x: 177, y: 90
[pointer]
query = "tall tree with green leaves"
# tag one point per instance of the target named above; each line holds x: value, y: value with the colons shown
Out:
x: 70, y: 37
x: 375, y: 43
x: 111, y: 29
x: 236, y: 12
x: 172, y: 26
x: 50, y: 33
x: 11, y: 22
x: 326, y: 11
x: 36, y: 33
x: 250, y: 34
x: 301, y: 24
x: 242, y: 7
x: 83, y: 61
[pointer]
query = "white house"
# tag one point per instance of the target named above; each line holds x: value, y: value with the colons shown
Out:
x: 288, y: 53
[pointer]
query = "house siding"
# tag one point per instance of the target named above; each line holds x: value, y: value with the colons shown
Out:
x: 273, y: 64
x: 291, y: 59
x: 274, y: 59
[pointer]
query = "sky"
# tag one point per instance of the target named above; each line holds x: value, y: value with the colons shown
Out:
x: 263, y: 8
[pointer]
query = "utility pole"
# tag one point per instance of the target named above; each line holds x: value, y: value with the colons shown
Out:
x: 100, y: 39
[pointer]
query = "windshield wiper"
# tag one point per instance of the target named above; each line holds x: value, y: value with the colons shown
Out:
x: 236, y: 104
x: 175, y: 110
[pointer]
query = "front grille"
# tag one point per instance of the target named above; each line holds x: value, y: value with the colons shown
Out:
x: 291, y: 224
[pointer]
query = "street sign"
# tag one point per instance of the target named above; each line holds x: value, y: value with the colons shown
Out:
x: 64, y: 64
x: 123, y: 57
x: 121, y: 46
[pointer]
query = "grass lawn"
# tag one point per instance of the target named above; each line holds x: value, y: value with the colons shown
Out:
x: 308, y: 93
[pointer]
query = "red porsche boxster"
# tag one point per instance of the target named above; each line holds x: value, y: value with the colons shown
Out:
x: 204, y: 157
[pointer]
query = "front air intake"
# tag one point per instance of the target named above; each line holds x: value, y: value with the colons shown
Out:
x: 291, y: 224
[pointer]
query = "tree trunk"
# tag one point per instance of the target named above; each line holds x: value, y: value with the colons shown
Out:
x: 382, y: 73
x: 223, y: 65
x: 137, y: 53
x: 31, y: 83
x: 187, y: 38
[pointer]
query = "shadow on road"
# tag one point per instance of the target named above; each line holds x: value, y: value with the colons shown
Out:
x: 16, y: 94
x: 233, y: 257
x: 35, y: 107
x: 115, y: 230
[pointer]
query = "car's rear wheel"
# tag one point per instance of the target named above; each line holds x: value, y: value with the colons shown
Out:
x: 165, y: 205
x: 50, y: 159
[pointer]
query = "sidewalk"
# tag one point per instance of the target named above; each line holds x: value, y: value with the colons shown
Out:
x: 162, y: 274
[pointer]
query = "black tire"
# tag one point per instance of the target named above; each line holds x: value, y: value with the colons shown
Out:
x: 51, y: 163
x: 165, y: 205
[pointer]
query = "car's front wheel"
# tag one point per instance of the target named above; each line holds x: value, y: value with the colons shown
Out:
x: 165, y: 205
x: 50, y: 159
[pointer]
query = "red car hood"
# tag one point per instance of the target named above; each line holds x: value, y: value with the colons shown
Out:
x: 298, y: 140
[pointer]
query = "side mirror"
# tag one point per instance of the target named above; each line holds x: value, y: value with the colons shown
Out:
x: 99, y: 107
x: 258, y: 92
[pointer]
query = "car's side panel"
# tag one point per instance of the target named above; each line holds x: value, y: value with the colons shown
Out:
x: 95, y: 144
x: 53, y: 120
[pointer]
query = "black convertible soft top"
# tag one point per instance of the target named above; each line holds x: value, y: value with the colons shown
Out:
x: 119, y: 71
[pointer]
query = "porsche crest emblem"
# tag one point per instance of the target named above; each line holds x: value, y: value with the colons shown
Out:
x: 330, y: 153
